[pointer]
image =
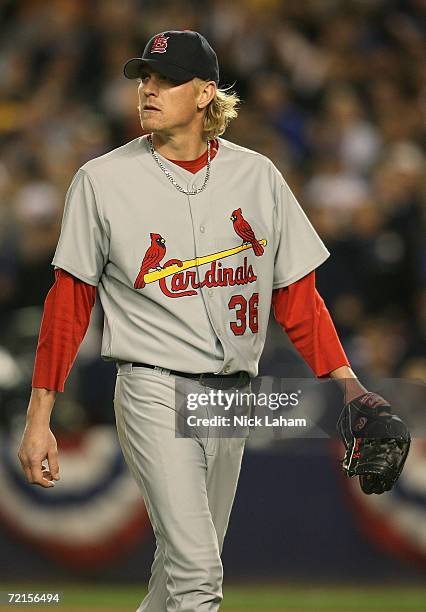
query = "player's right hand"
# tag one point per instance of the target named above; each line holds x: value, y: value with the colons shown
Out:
x: 38, y: 446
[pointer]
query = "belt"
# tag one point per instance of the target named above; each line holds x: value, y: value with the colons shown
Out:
x: 207, y: 379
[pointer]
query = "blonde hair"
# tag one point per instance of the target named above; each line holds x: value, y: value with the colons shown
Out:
x: 220, y: 112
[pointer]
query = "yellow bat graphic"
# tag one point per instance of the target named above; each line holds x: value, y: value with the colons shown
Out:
x: 151, y: 277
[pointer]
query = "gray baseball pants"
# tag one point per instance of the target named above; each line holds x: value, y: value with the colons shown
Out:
x: 188, y: 485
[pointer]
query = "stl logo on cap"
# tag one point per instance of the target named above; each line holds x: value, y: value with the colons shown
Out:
x: 159, y: 44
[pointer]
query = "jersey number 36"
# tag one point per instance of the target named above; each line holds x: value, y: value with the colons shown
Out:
x: 246, y: 313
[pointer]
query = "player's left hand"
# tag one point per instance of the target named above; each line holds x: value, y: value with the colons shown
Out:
x: 376, y: 441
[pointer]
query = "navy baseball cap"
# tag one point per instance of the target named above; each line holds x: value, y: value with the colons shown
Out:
x: 178, y: 55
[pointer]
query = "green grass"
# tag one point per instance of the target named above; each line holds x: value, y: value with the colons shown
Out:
x: 315, y: 599
x: 83, y: 598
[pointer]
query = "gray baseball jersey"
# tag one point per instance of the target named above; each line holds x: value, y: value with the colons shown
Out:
x: 185, y: 281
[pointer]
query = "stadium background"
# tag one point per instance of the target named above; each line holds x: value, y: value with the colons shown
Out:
x: 334, y: 93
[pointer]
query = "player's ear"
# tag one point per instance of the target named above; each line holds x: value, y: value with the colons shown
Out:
x: 206, y: 92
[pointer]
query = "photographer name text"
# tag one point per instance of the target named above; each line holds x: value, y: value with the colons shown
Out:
x: 244, y: 421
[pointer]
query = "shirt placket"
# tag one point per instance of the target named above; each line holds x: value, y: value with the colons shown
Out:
x: 204, y: 244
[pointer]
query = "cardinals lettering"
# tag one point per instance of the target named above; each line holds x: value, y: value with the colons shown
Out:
x: 185, y: 283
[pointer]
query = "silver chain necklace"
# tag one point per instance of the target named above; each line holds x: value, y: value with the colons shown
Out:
x: 197, y: 190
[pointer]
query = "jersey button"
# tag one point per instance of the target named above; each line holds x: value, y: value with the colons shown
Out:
x: 202, y: 229
x: 210, y: 292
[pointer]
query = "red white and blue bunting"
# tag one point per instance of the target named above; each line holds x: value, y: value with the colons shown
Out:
x: 94, y: 513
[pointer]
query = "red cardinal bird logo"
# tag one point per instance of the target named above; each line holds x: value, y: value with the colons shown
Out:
x: 243, y: 230
x: 151, y: 260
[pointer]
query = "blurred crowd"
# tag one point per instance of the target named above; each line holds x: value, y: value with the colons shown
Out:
x: 333, y: 91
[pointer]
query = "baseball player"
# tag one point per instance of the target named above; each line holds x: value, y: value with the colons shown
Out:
x: 188, y: 239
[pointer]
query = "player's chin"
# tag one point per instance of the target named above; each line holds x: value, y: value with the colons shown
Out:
x: 149, y: 122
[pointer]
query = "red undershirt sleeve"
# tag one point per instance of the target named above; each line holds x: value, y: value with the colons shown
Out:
x: 66, y: 316
x: 301, y: 312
